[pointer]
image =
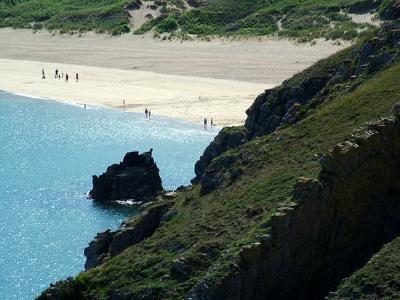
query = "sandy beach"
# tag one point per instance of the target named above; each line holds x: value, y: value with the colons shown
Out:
x: 185, y: 80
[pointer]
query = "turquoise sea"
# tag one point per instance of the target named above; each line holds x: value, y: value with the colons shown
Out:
x: 48, y: 153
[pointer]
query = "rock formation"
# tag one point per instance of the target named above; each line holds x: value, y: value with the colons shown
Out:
x: 227, y: 138
x: 135, y: 178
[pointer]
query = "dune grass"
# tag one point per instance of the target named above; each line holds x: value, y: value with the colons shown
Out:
x: 66, y: 15
x: 303, y: 20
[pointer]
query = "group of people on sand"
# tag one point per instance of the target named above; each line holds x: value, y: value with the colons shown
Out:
x: 58, y: 75
x: 206, y: 123
x: 147, y: 112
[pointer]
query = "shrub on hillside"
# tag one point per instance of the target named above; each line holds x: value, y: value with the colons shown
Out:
x: 167, y: 25
x: 121, y: 29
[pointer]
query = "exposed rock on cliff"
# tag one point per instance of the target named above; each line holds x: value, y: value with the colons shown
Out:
x: 110, y: 243
x: 227, y: 138
x: 332, y: 225
x: 135, y: 178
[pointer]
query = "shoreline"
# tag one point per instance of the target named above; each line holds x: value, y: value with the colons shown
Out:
x: 157, y: 118
x: 174, y: 96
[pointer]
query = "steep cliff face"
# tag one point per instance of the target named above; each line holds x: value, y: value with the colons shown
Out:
x: 332, y: 225
x: 289, y: 103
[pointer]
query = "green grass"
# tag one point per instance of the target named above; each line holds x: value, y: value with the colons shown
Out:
x: 304, y: 20
x: 103, y: 16
x: 378, y: 279
x: 66, y: 15
x: 208, y: 231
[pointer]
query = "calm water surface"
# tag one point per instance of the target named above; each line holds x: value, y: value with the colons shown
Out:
x: 48, y: 153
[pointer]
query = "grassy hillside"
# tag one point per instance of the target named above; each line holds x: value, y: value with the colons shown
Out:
x: 66, y: 15
x: 306, y: 19
x: 303, y: 20
x: 208, y: 232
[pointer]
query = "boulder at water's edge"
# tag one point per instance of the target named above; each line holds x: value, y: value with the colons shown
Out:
x: 136, y: 178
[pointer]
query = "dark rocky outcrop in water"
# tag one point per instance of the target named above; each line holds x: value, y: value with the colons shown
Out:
x: 136, y: 178
x: 331, y: 227
x: 110, y: 243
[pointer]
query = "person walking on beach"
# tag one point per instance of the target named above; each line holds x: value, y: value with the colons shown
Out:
x: 205, y: 123
x: 77, y: 77
x: 43, y: 76
x: 149, y: 115
x: 212, y: 123
x: 56, y: 74
x: 146, y: 112
x: 59, y: 76
x: 66, y: 77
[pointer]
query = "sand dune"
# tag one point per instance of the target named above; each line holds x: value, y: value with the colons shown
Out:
x: 189, y: 80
